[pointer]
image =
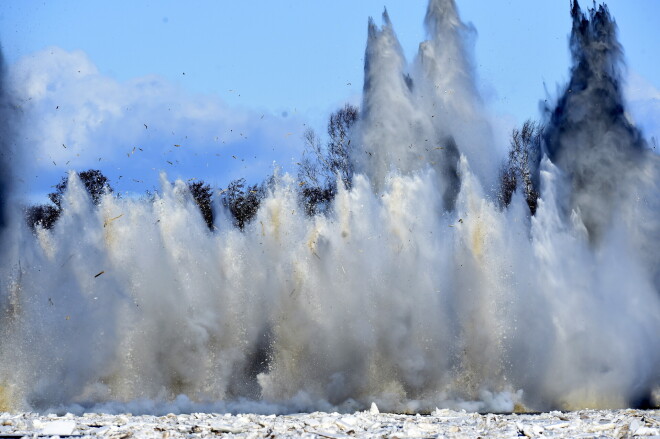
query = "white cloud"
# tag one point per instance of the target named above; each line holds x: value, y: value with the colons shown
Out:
x: 74, y: 117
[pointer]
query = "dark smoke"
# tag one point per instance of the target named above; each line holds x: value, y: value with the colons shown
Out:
x: 614, y: 176
x: 450, y: 171
x: 589, y: 136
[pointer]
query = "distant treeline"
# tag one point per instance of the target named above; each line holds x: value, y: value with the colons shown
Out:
x: 323, y: 165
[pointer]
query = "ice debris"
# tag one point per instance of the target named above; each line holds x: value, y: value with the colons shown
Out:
x: 366, y: 424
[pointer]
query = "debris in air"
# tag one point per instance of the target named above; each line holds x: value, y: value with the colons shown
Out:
x: 111, y: 220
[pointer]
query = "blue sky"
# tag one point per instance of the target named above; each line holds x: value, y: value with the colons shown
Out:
x: 266, y: 69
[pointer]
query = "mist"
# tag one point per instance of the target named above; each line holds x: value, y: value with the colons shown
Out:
x: 416, y: 289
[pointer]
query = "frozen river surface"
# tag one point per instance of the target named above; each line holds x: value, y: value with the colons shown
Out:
x: 369, y: 424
